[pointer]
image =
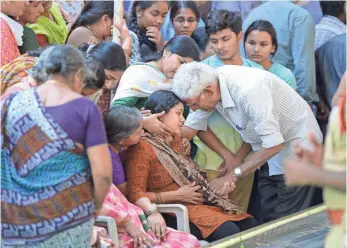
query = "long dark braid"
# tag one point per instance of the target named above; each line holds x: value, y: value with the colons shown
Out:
x: 134, y: 26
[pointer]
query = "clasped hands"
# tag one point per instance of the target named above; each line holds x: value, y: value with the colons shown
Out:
x: 226, y: 181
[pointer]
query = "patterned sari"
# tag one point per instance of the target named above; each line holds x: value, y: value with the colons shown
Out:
x: 118, y: 207
x: 15, y: 76
x: 46, y: 184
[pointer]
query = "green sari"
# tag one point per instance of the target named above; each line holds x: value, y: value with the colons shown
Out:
x: 57, y: 31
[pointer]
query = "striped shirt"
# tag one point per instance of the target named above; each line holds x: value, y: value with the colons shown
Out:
x: 327, y: 28
x: 264, y: 110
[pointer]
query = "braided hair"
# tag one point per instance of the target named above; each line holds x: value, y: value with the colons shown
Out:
x: 134, y: 26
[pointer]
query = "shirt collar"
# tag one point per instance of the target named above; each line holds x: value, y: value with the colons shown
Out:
x: 16, y: 28
x: 226, y: 99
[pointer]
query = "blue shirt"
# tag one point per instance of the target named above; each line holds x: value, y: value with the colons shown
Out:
x: 283, y: 73
x: 215, y: 62
x: 295, y: 33
x: 331, y: 64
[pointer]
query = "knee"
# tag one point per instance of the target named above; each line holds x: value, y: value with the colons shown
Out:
x: 228, y: 228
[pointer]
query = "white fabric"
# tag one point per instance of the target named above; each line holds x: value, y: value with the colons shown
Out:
x: 16, y: 28
x: 327, y: 28
x: 264, y: 110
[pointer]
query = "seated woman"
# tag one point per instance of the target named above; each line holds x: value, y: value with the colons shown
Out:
x: 94, y: 25
x: 142, y: 79
x: 261, y: 44
x: 159, y: 168
x: 124, y: 129
x: 51, y: 159
x: 51, y: 28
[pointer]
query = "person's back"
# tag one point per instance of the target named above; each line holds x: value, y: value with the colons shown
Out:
x: 295, y: 33
x: 331, y: 64
x: 286, y: 103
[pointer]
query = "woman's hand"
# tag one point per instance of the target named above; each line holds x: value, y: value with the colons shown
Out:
x: 141, y: 239
x: 123, y: 30
x: 223, y: 186
x: 154, y: 35
x: 145, y: 113
x: 154, y: 126
x: 190, y: 194
x: 157, y: 225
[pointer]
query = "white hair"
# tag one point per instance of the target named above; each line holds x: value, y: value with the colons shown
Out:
x: 191, y: 79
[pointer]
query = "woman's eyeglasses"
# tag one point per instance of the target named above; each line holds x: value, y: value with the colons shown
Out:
x: 181, y: 20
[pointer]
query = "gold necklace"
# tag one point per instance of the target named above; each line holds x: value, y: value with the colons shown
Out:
x: 94, y: 33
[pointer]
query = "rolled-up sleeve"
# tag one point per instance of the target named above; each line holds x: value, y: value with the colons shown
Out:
x: 260, y: 112
x: 197, y: 120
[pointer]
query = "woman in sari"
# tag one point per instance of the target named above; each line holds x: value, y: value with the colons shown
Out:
x: 124, y: 129
x: 55, y: 171
x: 142, y: 79
x: 159, y: 168
x: 51, y: 28
x: 17, y: 75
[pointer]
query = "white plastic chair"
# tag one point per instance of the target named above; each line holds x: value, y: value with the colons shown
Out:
x: 179, y: 210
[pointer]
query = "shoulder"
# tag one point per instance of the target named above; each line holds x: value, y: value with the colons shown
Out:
x: 79, y: 36
x: 250, y: 63
x: 143, y: 149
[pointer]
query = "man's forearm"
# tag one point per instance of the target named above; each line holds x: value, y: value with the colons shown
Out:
x: 259, y: 158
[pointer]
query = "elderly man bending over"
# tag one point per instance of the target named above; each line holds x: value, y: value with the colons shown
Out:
x: 268, y: 114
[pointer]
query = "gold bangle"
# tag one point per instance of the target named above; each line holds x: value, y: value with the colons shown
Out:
x: 159, y: 197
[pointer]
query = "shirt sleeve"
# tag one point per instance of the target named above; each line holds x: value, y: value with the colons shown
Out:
x: 118, y: 175
x: 260, y: 112
x: 137, y: 164
x: 197, y: 120
x: 303, y: 56
x: 95, y: 129
x: 30, y: 42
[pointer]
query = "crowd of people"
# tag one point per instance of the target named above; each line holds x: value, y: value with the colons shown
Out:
x: 222, y: 106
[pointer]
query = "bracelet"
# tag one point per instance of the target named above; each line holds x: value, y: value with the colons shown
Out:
x: 159, y: 197
x: 151, y: 212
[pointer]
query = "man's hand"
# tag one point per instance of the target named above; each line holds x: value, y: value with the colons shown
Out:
x: 230, y: 162
x: 224, y: 185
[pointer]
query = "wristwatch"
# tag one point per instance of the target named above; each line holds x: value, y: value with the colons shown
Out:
x: 238, y: 172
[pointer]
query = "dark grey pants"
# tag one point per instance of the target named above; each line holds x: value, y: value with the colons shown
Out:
x: 272, y: 199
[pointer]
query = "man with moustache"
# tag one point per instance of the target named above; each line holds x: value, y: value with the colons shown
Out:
x: 224, y: 30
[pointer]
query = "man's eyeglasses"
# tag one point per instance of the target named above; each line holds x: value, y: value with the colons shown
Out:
x: 181, y: 20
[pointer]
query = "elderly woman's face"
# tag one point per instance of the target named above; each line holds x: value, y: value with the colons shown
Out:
x: 174, y: 119
x: 134, y: 138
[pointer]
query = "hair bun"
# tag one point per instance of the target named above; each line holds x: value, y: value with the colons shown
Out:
x: 53, y: 67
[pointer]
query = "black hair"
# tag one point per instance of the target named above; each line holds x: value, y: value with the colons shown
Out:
x: 201, y: 38
x: 263, y: 26
x: 94, y: 65
x: 177, y: 5
x: 223, y: 19
x: 109, y: 54
x: 121, y: 122
x: 132, y: 20
x: 333, y: 8
x: 181, y: 45
x: 161, y: 100
x: 91, y: 12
